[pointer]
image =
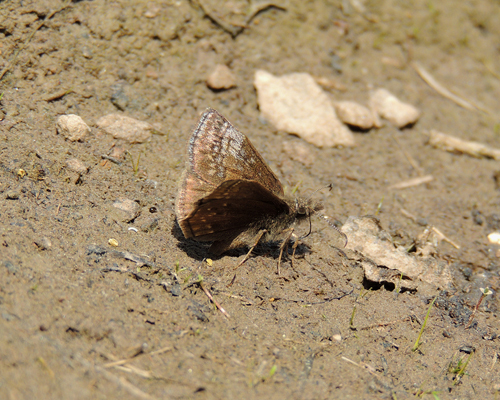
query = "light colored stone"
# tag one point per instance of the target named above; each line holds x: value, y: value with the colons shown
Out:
x: 77, y: 166
x: 388, y: 106
x: 352, y: 113
x: 295, y: 104
x: 221, y: 78
x: 72, y: 127
x: 387, y: 263
x: 126, y: 210
x: 125, y: 128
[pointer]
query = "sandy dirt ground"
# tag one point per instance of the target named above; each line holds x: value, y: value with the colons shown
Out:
x: 81, y: 318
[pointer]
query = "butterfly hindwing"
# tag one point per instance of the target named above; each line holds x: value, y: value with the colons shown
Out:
x: 231, y: 209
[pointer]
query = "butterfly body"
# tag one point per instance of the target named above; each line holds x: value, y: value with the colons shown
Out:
x: 228, y: 195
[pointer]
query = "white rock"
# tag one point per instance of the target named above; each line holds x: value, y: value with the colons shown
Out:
x: 126, y: 210
x: 392, y: 109
x: 295, y: 104
x: 74, y: 164
x: 126, y: 128
x: 386, y: 263
x: 494, y: 237
x: 72, y: 127
x: 221, y: 78
x: 354, y: 114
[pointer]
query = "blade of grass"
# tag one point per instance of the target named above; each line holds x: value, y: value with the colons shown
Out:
x: 417, y: 343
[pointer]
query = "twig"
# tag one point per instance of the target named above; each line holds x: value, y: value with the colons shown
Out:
x: 409, y: 215
x: 412, y: 182
x: 134, y: 370
x: 443, y: 237
x: 429, y: 79
x: 126, y: 360
x: 112, y: 159
x: 455, y: 145
x: 485, y: 292
x: 120, y: 381
x: 209, y: 295
x: 235, y: 296
x: 408, y: 156
x: 381, y: 324
x: 369, y: 368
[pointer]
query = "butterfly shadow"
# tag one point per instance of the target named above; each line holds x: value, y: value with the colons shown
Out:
x: 200, y: 250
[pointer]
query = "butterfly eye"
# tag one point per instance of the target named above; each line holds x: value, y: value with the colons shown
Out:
x: 299, y: 207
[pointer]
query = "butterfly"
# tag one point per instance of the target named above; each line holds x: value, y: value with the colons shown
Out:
x: 228, y: 195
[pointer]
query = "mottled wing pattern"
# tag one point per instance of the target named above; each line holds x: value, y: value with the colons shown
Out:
x: 231, y: 209
x: 218, y: 152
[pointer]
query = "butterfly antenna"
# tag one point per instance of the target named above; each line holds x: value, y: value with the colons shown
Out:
x: 327, y: 219
x: 330, y: 186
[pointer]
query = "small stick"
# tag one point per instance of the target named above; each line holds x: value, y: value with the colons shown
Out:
x: 126, y: 360
x: 412, y: 182
x: 407, y: 214
x: 369, y: 368
x: 429, y: 79
x: 453, y: 144
x: 209, y: 295
x: 120, y: 381
x: 446, y: 239
x: 112, y: 159
x: 381, y: 324
x: 408, y: 156
x: 485, y: 292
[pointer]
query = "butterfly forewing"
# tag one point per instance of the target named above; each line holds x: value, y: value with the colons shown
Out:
x: 218, y: 152
x: 223, y: 153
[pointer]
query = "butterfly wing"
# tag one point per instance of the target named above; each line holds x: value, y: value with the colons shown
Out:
x: 218, y: 152
x: 231, y: 209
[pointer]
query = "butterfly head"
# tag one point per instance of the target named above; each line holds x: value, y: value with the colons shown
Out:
x: 305, y: 208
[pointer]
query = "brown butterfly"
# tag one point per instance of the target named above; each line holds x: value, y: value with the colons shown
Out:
x: 228, y: 195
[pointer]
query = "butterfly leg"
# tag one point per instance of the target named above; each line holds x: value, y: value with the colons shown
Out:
x: 284, y: 244
x: 257, y: 240
x: 294, y: 247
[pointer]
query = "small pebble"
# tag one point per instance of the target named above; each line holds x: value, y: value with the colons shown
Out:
x: 126, y: 128
x: 113, y: 242
x: 72, y: 127
x: 221, y: 78
x: 43, y: 243
x: 494, y: 237
x: 12, y: 194
x: 127, y: 209
x: 77, y: 166
x: 296, y: 104
x: 392, y: 109
x: 352, y: 113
